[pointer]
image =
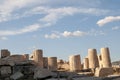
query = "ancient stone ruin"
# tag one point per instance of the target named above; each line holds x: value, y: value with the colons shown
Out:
x: 36, y: 66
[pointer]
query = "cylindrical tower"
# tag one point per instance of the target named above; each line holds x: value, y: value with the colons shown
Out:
x: 105, y: 54
x: 75, y: 63
x: 4, y: 53
x: 52, y: 63
x: 86, y: 63
x: 38, y: 57
x: 93, y: 59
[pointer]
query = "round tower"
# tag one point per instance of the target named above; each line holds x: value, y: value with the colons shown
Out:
x: 52, y: 63
x: 75, y: 63
x: 5, y: 53
x: 86, y: 63
x: 93, y: 59
x: 38, y: 57
x: 105, y: 54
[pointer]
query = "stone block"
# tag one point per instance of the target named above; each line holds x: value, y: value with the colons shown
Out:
x: 102, y: 72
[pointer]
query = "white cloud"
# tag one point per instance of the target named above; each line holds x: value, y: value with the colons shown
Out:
x: 9, y: 10
x: 52, y: 36
x: 53, y: 14
x: 9, y: 6
x: 115, y: 28
x: 74, y: 34
x: 78, y: 33
x: 3, y: 38
x: 29, y: 28
x: 66, y: 34
x: 108, y: 20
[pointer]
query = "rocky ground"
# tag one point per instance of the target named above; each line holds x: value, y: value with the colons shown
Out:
x: 41, y: 74
x: 80, y: 78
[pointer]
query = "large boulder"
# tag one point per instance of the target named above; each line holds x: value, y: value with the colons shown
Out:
x: 40, y: 73
x: 102, y: 72
x: 16, y: 75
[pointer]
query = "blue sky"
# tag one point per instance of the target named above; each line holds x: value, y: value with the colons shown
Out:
x: 60, y: 28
